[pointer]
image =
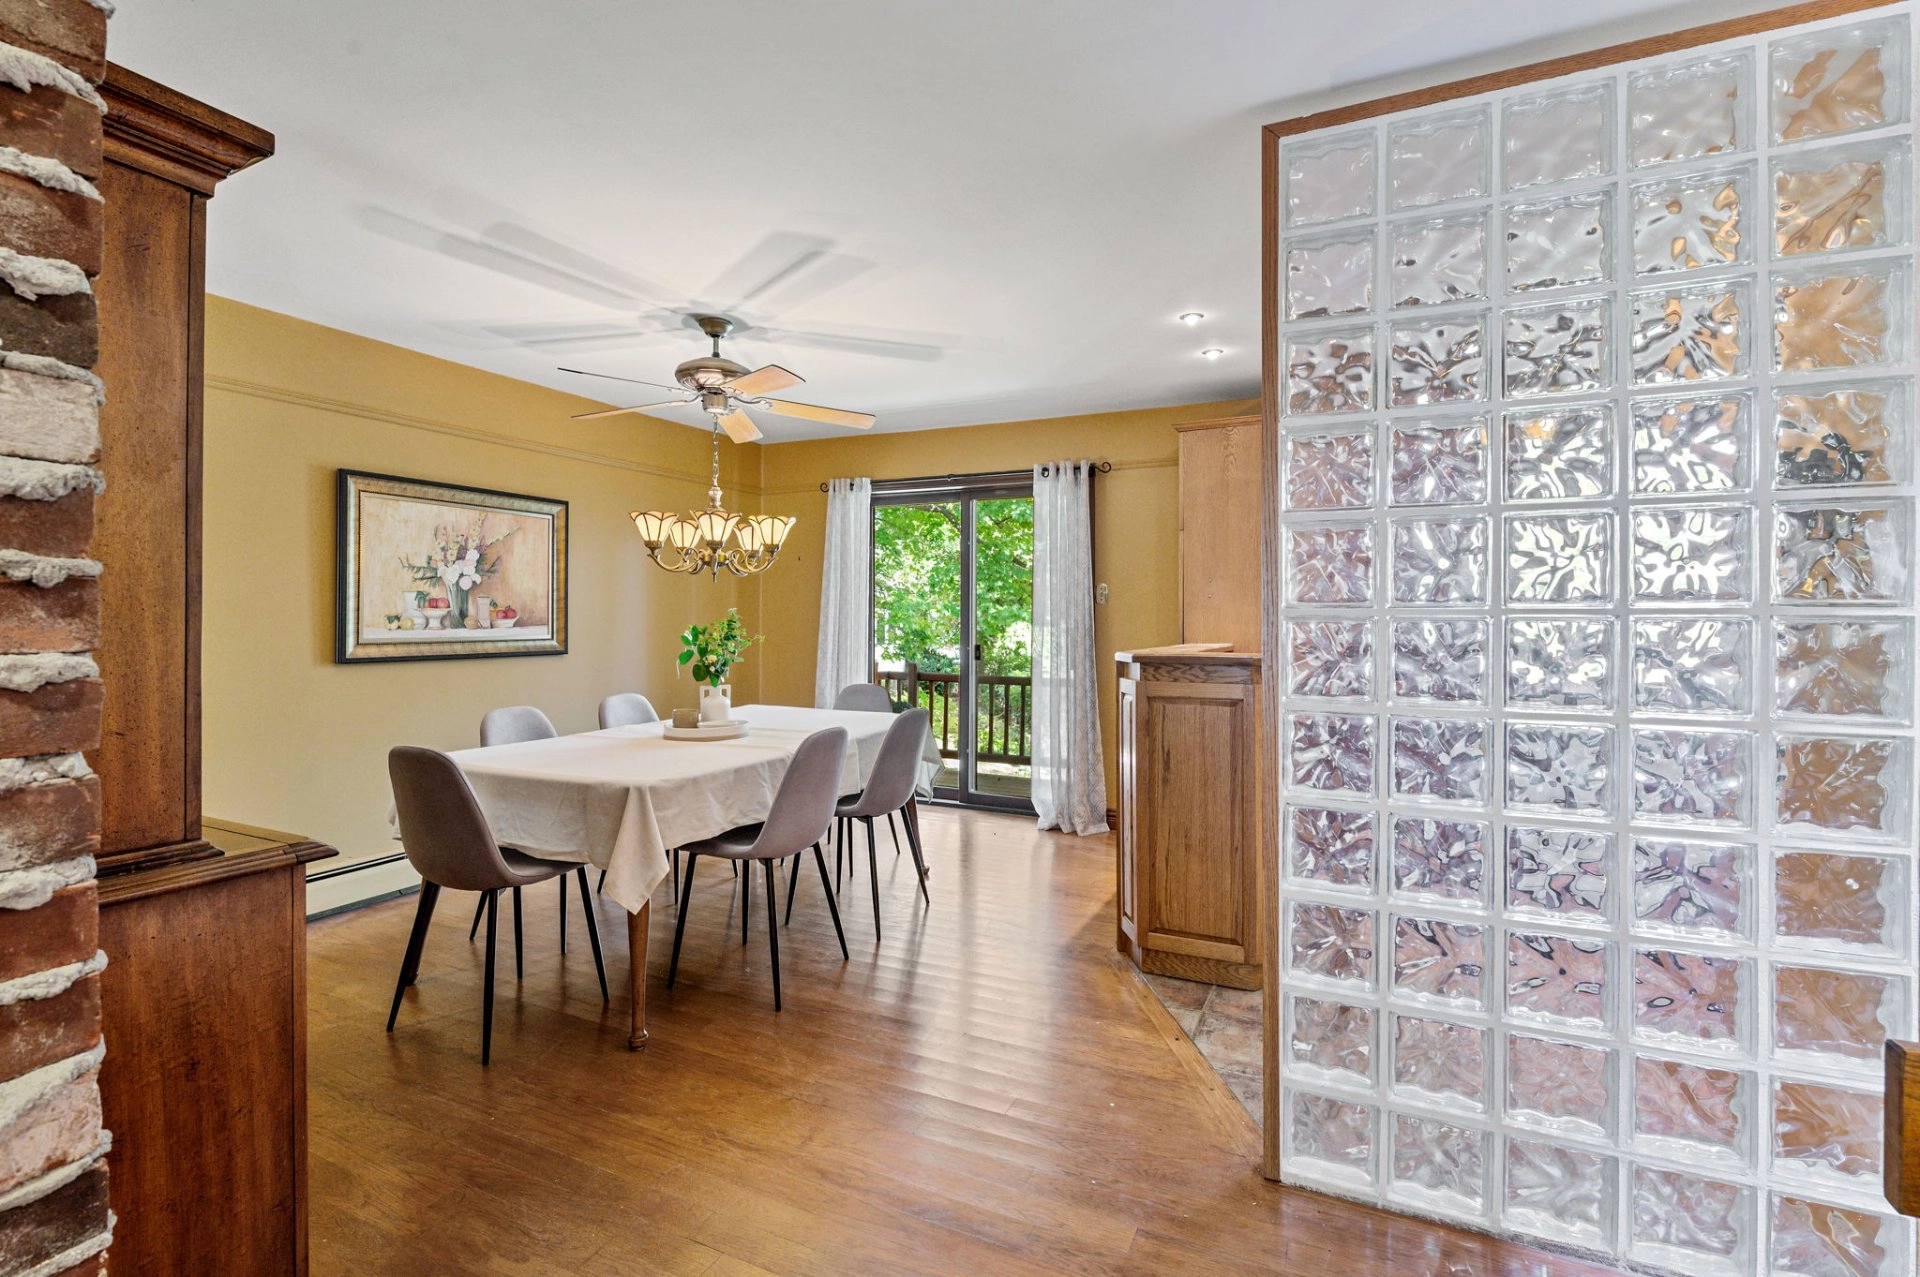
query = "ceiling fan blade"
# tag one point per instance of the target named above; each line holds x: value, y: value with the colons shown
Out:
x: 855, y: 345
x: 813, y: 412
x: 581, y: 372
x: 739, y: 427
x: 761, y: 381
x: 778, y: 257
x: 645, y: 407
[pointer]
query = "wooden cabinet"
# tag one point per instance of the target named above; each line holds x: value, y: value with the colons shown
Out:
x: 1220, y: 532
x: 1189, y: 872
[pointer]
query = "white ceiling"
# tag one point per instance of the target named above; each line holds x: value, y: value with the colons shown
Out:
x: 988, y: 210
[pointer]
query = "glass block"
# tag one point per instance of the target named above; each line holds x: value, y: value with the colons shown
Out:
x: 1439, y: 261
x: 1690, y: 334
x: 1442, y: 859
x: 1330, y: 471
x: 1845, y: 1015
x: 1557, y: 350
x: 1695, y: 444
x: 1438, y: 1164
x: 1839, y: 80
x: 1440, y: 661
x: 1839, y: 198
x: 1436, y: 463
x: 1559, y: 1084
x: 1689, y: 998
x: 1562, y: 454
x: 1840, y: 318
x: 1330, y: 847
x: 1832, y: 554
x: 1558, y: 136
x: 1843, y: 436
x: 1440, y: 561
x: 1563, y: 664
x: 1330, y: 371
x: 1692, y: 554
x: 1330, y: 1039
x: 1446, y: 961
x: 1813, y: 1239
x: 1687, y: 887
x: 1700, y: 108
x: 1330, y: 275
x: 1706, y: 1109
x: 1562, y: 872
x: 1330, y: 942
x: 1335, y: 1134
x: 1693, y: 667
x: 1332, y: 752
x: 1557, y: 979
x: 1560, y: 558
x: 1843, y: 784
x: 1554, y: 243
x: 1830, y: 1132
x: 1333, y: 659
x: 1440, y: 758
x: 1440, y: 1062
x: 1701, y: 1227
x: 1693, y: 777
x: 1690, y: 221
x: 1833, y: 902
x: 1560, y: 768
x: 1439, y: 363
x: 1330, y: 565
x: 1436, y: 158
x: 1560, y: 1193
x: 1330, y: 178
x: 1843, y: 669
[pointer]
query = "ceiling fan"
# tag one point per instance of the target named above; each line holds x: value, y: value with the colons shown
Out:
x: 724, y: 388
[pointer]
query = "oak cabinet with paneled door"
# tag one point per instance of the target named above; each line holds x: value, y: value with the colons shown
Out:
x: 1189, y: 871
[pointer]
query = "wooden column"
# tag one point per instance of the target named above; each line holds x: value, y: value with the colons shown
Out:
x: 1219, y: 520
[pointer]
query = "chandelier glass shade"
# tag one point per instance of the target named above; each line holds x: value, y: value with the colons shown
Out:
x: 714, y: 538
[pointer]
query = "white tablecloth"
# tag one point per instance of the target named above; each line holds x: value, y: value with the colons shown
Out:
x: 618, y: 799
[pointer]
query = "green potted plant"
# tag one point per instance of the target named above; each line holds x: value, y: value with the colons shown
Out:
x: 710, y: 651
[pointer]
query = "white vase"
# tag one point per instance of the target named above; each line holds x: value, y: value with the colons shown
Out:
x: 716, y: 703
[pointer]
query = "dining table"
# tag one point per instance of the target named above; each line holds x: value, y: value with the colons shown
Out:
x: 619, y: 799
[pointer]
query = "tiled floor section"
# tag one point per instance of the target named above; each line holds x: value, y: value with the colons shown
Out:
x: 1224, y: 1024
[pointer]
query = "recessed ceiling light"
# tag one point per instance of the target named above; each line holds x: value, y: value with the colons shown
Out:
x: 1191, y: 318
x: 1212, y: 352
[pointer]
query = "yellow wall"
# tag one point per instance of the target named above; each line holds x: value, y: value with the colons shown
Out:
x: 295, y: 742
x: 1136, y: 525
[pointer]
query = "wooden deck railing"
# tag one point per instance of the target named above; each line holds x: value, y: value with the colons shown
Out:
x: 1004, y: 733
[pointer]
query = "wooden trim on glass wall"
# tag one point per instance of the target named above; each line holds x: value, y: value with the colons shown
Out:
x: 1270, y: 636
x: 1901, y: 1156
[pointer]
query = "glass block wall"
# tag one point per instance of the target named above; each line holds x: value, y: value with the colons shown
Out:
x: 1598, y: 656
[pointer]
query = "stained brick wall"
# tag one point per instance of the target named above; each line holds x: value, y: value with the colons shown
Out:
x: 54, y: 1220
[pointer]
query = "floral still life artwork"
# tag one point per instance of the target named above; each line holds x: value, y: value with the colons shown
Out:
x: 430, y: 570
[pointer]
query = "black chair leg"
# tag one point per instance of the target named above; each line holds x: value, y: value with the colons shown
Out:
x: 895, y: 831
x: 563, y: 915
x: 519, y: 967
x: 593, y: 933
x: 603, y: 881
x: 839, y: 851
x: 680, y: 927
x: 833, y: 908
x: 410, y: 963
x: 479, y: 912
x: 746, y: 899
x: 910, y: 817
x: 792, y: 883
x: 674, y: 857
x: 773, y: 932
x: 486, y: 1007
x: 873, y: 876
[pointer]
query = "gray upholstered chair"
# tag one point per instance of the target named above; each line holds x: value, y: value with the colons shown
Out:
x: 447, y: 839
x: 510, y: 725
x: 889, y: 789
x: 870, y: 697
x: 626, y: 709
x: 797, y: 821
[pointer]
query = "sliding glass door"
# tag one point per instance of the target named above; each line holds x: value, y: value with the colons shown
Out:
x: 952, y: 615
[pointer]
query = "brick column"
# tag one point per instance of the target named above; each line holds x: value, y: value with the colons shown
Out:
x: 54, y: 1220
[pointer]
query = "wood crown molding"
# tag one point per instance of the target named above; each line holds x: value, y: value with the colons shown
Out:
x: 164, y: 132
x: 1218, y: 423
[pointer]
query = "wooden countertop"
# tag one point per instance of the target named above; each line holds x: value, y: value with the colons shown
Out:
x: 1188, y: 654
x: 239, y: 850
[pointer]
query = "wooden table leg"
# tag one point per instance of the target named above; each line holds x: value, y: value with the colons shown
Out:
x: 637, y: 924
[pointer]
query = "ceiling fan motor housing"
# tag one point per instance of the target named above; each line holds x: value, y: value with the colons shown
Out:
x: 707, y: 372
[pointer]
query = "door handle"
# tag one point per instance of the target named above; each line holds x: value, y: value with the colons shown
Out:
x: 978, y: 653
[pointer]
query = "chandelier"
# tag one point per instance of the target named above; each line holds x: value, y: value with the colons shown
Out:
x: 711, y: 539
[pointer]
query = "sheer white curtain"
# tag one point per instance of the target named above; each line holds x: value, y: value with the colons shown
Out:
x: 1069, y: 771
x: 846, y: 591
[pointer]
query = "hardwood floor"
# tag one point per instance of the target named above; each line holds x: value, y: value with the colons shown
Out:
x: 990, y: 1089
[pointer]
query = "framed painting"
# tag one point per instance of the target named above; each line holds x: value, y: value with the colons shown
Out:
x: 431, y: 571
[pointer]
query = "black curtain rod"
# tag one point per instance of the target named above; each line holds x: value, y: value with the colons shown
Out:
x: 1100, y: 467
